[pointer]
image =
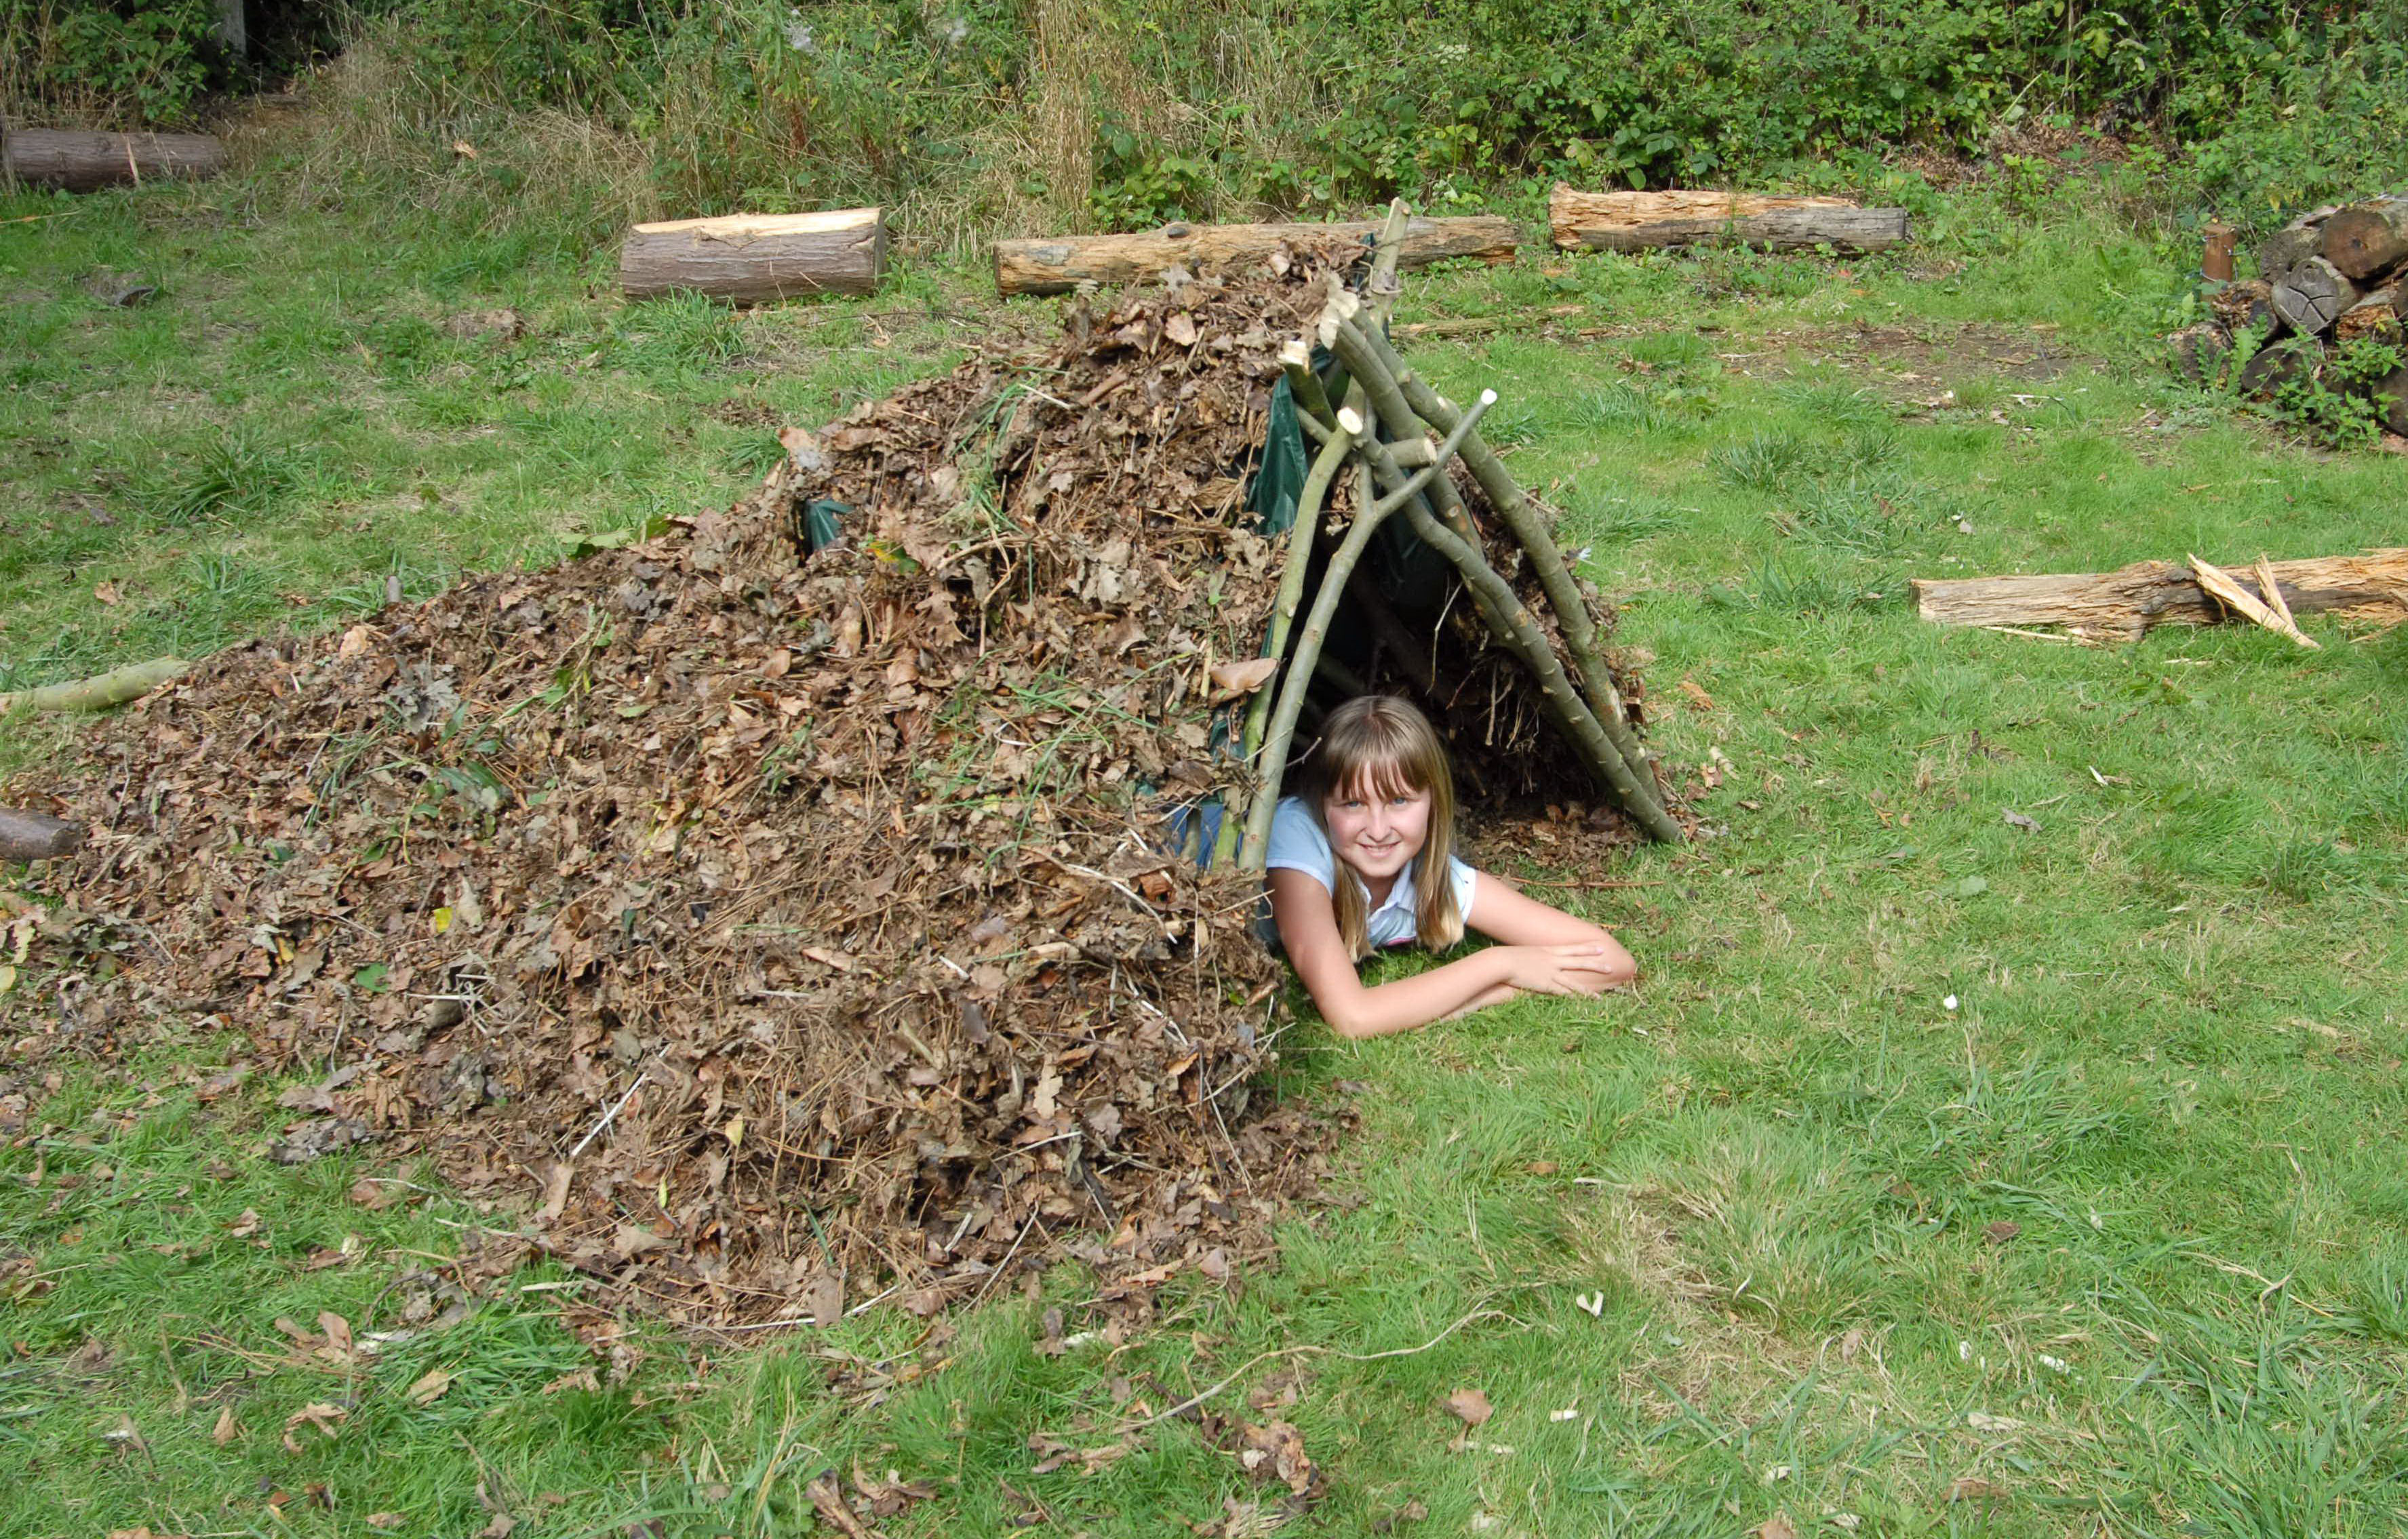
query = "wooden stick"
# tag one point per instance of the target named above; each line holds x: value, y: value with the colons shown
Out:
x: 1296, y: 359
x: 1273, y: 757
x: 116, y: 688
x: 1300, y: 541
x: 1512, y: 624
x: 1554, y: 574
x: 1380, y: 287
x: 36, y: 836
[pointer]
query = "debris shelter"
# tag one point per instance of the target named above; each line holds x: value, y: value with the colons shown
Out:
x: 787, y: 909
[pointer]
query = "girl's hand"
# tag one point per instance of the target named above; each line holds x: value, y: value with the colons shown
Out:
x: 1587, y: 968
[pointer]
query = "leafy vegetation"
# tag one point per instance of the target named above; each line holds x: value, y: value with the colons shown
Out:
x: 1006, y: 116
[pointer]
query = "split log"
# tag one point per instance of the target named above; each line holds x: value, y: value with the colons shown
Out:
x: 2313, y: 295
x: 753, y: 258
x: 115, y: 687
x: 2126, y: 602
x: 1057, y: 264
x: 1638, y: 222
x: 36, y: 836
x: 2376, y: 315
x: 2366, y: 239
x: 82, y: 162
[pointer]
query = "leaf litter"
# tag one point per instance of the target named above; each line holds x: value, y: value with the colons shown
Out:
x: 783, y: 929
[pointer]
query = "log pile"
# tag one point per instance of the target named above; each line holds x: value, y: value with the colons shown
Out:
x: 1638, y: 221
x: 2333, y: 276
x: 789, y: 911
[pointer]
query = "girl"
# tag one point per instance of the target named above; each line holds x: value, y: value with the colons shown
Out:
x: 1365, y: 858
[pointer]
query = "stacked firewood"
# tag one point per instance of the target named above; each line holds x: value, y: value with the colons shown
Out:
x: 2333, y: 276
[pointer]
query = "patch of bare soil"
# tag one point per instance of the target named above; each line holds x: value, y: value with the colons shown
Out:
x: 1907, y: 361
x: 780, y: 925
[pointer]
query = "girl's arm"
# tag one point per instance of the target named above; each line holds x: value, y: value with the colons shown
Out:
x: 1308, y: 927
x: 1506, y: 914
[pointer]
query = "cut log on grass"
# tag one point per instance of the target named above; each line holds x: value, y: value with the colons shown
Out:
x: 116, y: 688
x: 81, y: 162
x: 1056, y: 264
x: 2367, y: 238
x: 750, y: 259
x: 36, y: 836
x: 2371, y: 587
x: 1638, y: 221
x: 2199, y: 354
x: 2313, y: 295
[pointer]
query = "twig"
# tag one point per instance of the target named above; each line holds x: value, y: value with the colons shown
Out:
x: 1195, y: 1399
x: 614, y: 1112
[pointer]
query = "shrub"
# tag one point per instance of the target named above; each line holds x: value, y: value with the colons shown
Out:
x: 133, y: 63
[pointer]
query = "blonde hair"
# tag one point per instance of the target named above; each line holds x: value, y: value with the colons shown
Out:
x: 1381, y: 745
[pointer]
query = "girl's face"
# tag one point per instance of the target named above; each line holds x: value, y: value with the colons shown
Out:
x: 1376, y: 829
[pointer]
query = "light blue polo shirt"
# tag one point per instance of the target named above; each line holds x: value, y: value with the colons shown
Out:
x: 1298, y: 844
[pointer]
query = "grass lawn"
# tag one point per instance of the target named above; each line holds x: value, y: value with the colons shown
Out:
x: 1946, y: 1175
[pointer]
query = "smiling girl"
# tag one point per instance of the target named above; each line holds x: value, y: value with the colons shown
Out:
x: 1364, y: 858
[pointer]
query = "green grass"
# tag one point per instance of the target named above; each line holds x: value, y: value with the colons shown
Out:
x: 2121, y: 1233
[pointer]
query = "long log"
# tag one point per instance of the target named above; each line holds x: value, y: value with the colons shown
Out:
x: 2365, y: 238
x: 1636, y: 222
x: 755, y: 258
x: 1056, y: 264
x: 2126, y: 602
x: 36, y: 836
x: 83, y: 162
x: 2313, y: 295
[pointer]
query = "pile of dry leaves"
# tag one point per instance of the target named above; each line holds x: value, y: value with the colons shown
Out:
x: 785, y: 929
